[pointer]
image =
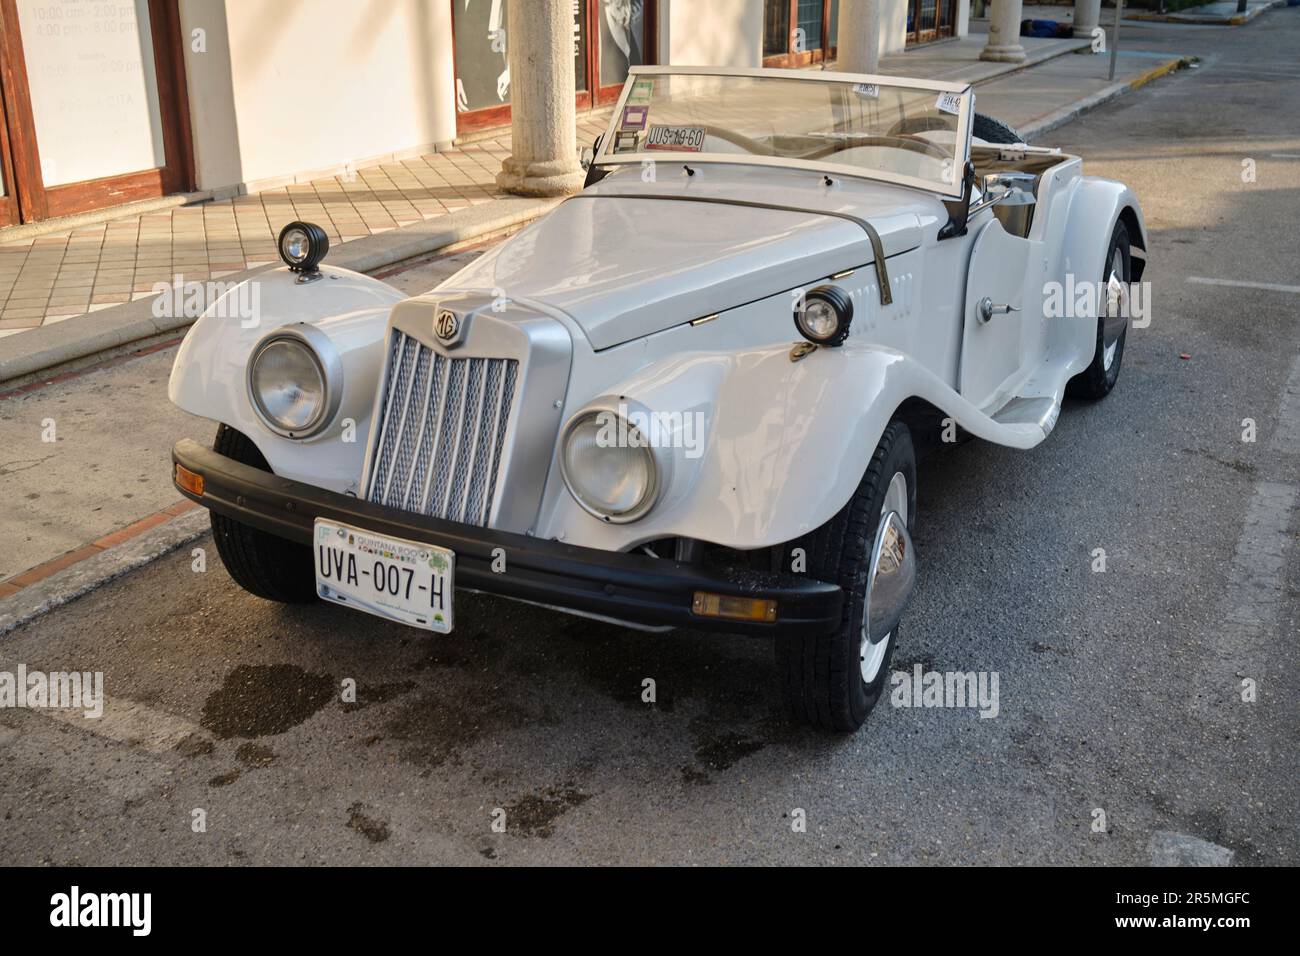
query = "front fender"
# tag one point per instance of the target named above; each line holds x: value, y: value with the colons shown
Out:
x: 784, y: 445
x: 209, y: 374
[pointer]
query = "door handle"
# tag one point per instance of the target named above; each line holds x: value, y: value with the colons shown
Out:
x: 985, y: 309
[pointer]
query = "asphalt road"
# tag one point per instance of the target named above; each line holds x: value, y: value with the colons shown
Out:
x: 1119, y: 692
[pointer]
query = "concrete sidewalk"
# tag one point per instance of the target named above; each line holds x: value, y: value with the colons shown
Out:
x: 67, y: 296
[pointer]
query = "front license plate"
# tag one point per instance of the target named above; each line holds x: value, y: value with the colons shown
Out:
x: 404, y: 581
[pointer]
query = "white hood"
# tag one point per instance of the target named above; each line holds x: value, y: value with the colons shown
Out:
x: 624, y: 266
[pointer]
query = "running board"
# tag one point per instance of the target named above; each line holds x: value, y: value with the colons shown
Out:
x: 1040, y: 412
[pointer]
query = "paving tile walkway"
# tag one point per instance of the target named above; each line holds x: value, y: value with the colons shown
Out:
x: 47, y: 278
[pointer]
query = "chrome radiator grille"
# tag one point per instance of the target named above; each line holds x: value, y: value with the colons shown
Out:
x: 440, y: 432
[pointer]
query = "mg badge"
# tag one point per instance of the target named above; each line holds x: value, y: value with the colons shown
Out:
x: 447, y: 326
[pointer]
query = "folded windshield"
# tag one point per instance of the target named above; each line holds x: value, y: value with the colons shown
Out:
x: 897, y: 130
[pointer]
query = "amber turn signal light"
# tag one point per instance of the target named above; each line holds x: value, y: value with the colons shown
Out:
x: 190, y: 481
x: 733, y: 608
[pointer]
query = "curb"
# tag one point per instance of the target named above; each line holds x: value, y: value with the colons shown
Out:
x: 1229, y: 20
x: 108, y: 214
x: 99, y: 568
x: 1051, y: 121
x: 39, y: 350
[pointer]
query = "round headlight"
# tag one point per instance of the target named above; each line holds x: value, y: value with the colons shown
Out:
x: 824, y: 315
x: 609, y: 467
x: 291, y: 385
x: 303, y: 245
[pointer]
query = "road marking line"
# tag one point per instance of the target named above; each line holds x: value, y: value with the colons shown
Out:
x: 1240, y: 284
x: 123, y: 721
x: 1259, y: 73
x: 1286, y: 438
x: 1284, y: 155
x: 131, y: 723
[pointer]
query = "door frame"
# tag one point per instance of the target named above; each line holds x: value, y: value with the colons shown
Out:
x: 792, y: 60
x: 34, y: 200
x: 9, y: 208
x: 941, y: 31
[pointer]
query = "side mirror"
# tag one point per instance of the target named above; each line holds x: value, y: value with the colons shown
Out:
x: 594, y: 173
x: 1011, y: 194
x: 588, y: 155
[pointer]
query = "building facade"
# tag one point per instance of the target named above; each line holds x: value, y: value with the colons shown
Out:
x: 109, y: 101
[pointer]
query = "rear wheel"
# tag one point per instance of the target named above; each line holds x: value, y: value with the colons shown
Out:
x: 831, y: 681
x: 260, y: 563
x: 1097, y: 380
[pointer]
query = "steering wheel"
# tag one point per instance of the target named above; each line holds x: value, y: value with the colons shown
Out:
x: 919, y: 124
x: 897, y: 142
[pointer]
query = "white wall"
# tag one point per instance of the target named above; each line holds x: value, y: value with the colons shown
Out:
x: 893, y: 26
x: 293, y: 89
x: 711, y: 32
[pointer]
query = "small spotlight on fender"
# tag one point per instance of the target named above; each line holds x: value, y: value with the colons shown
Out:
x: 823, y: 316
x: 706, y: 604
x: 302, y: 247
x: 190, y: 481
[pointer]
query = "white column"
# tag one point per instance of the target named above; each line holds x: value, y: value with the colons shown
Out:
x: 1087, y: 14
x: 1004, y: 33
x: 543, y: 124
x: 858, y: 39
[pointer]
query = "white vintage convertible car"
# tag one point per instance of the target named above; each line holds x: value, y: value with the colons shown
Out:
x: 692, y: 395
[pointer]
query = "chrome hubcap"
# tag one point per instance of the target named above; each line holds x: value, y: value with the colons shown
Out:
x: 1116, y: 315
x: 871, y: 656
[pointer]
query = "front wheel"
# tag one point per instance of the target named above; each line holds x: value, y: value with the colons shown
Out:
x: 832, y: 681
x: 260, y: 563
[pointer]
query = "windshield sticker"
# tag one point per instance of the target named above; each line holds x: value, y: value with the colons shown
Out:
x: 688, y: 139
x: 625, y: 141
x: 634, y: 117
x: 641, y: 91
x: 949, y: 103
x: 870, y: 90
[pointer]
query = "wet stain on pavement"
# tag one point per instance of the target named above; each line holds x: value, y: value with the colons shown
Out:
x: 536, y: 813
x: 194, y: 745
x: 257, y: 700
x: 376, y: 831
x: 225, y: 779
x: 719, y: 752
x: 435, y: 730
x: 254, y: 755
x: 368, y: 694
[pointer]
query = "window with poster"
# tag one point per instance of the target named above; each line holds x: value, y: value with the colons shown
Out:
x: 608, y: 37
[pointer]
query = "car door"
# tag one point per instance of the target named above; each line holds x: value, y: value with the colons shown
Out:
x: 1000, y: 337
